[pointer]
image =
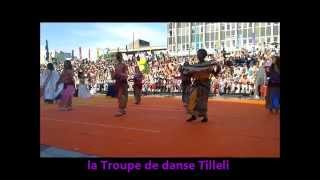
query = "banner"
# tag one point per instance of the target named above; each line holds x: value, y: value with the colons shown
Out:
x: 143, y: 65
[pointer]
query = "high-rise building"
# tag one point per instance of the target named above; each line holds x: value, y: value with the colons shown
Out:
x: 187, y: 38
x: 80, y: 53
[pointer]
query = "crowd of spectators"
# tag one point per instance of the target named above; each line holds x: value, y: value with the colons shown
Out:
x: 237, y: 76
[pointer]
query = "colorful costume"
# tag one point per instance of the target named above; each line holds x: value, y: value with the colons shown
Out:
x: 48, y: 81
x: 121, y: 86
x: 68, y: 88
x: 198, y: 99
x: 83, y: 90
x: 137, y: 87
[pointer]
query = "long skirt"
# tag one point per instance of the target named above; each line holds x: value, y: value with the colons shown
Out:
x: 198, y: 101
x: 274, y: 98
x: 83, y: 92
x: 122, y: 95
x: 66, y: 96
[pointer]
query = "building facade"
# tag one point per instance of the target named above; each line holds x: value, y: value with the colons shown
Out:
x: 138, y: 44
x: 187, y: 38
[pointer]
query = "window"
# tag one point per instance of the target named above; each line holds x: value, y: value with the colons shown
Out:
x: 275, y: 30
x: 275, y: 39
x: 207, y: 37
x: 170, y: 40
x: 233, y: 33
x: 250, y: 41
x: 268, y: 31
x: 207, y: 45
x: 183, y: 39
x: 183, y: 47
x: 212, y: 45
x: 170, y: 25
x: 179, y: 39
x: 250, y: 33
x: 187, y: 39
x: 197, y: 39
x: 239, y: 32
x: 262, y: 31
x: 244, y: 41
x: 222, y: 35
x: 178, y: 25
x: 250, y: 24
x: 187, y: 46
x: 227, y: 43
x: 268, y: 40
x: 228, y: 26
x: 233, y: 43
x: 193, y: 38
x: 212, y: 36
x: 222, y: 27
x: 216, y: 36
x: 244, y: 31
x: 233, y: 25
x: 245, y: 25
x: 238, y: 26
x: 201, y: 29
x: 207, y: 28
x: 228, y: 34
x: 197, y: 46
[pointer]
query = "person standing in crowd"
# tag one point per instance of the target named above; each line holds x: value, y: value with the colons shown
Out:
x: 137, y: 86
x: 274, y: 86
x: 198, y: 100
x: 48, y: 81
x: 68, y: 87
x: 120, y: 74
x: 185, y: 84
x: 260, y: 79
x: 83, y: 91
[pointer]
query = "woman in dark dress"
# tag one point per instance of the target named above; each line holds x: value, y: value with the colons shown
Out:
x: 273, y: 96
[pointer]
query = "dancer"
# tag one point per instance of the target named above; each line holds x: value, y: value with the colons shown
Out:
x: 198, y: 99
x: 120, y: 75
x: 83, y: 91
x: 260, y: 79
x: 274, y: 86
x: 48, y: 81
x: 137, y: 86
x: 68, y: 87
x: 185, y: 84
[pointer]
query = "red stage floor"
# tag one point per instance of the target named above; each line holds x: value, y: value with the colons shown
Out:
x: 157, y: 128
